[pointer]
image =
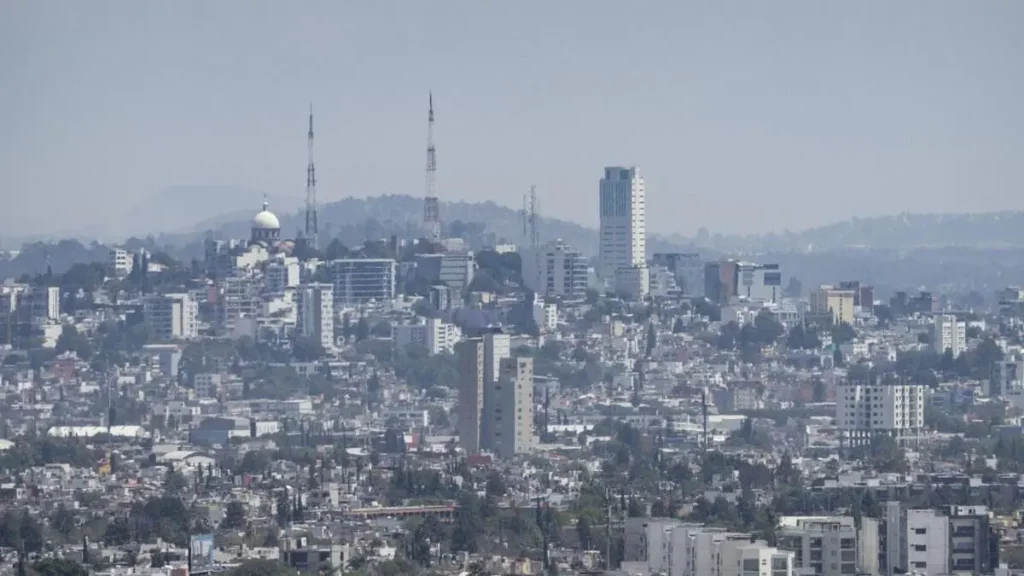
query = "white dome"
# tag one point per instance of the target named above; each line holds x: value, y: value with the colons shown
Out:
x: 266, y: 220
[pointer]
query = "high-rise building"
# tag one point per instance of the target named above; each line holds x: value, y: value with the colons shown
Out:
x: 453, y: 269
x: 836, y: 302
x: 511, y: 415
x: 864, y: 411
x: 558, y: 271
x: 721, y: 280
x: 822, y: 545
x: 623, y: 241
x: 314, y: 313
x: 1007, y: 378
x: 282, y: 275
x: 948, y: 333
x: 357, y: 281
x: 471, y: 392
x: 172, y: 316
x: 687, y: 268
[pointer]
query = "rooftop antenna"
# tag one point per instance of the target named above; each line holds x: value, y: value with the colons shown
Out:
x: 531, y: 231
x: 431, y: 206
x: 312, y: 231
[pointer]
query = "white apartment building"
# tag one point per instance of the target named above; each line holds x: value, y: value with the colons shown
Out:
x: 623, y: 229
x: 865, y: 410
x: 823, y: 545
x: 433, y: 334
x: 512, y: 416
x: 172, y: 316
x: 674, y: 548
x: 120, y: 262
x: 948, y: 333
x: 545, y: 315
x: 314, y: 313
x: 555, y: 270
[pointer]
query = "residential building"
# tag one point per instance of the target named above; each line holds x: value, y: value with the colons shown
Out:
x: 452, y: 269
x: 512, y: 416
x: 822, y: 545
x: 172, y: 316
x: 314, y: 313
x: 833, y: 301
x: 433, y: 334
x: 1007, y: 378
x: 358, y: 281
x: 471, y: 392
x: 633, y: 282
x: 866, y: 410
x: 545, y: 315
x: 237, y: 299
x: 948, y: 333
x: 974, y: 548
x: 282, y: 275
x: 41, y: 303
x: 623, y: 221
x: 556, y: 270
x: 721, y: 280
x: 120, y: 262
x: 207, y: 385
x: 687, y: 268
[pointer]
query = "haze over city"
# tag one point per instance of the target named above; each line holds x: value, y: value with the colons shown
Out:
x: 743, y: 117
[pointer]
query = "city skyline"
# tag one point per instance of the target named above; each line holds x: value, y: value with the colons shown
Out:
x: 906, y: 108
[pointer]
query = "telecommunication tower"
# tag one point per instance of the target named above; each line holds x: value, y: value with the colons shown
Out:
x: 312, y: 229
x: 531, y: 231
x: 431, y: 206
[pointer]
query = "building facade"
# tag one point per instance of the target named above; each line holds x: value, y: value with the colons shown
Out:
x: 558, y: 270
x: 833, y: 301
x: 471, y: 392
x: 512, y: 417
x: 864, y: 411
x: 172, y: 316
x: 623, y: 228
x: 948, y: 333
x: 314, y: 313
x: 358, y: 281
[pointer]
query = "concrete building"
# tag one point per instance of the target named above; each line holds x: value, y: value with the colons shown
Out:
x: 948, y: 333
x: 623, y: 228
x: 120, y: 262
x: 314, y: 313
x: 687, y: 268
x: 433, y: 334
x: 830, y: 300
x: 822, y: 545
x: 721, y: 280
x: 453, y: 269
x: 867, y: 410
x: 545, y: 315
x: 759, y: 282
x: 358, y: 281
x: 282, y: 275
x: 471, y: 392
x: 512, y: 416
x: 172, y: 316
x: 633, y: 282
x: 558, y: 270
x: 974, y: 548
x: 40, y: 303
x: 237, y: 299
x: 1007, y: 378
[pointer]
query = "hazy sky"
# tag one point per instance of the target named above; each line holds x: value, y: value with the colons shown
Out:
x: 743, y: 116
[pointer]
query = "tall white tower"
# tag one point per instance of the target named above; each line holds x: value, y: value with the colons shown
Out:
x: 623, y: 241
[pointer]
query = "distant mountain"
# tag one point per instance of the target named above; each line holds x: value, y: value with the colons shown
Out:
x: 900, y: 232
x: 175, y: 209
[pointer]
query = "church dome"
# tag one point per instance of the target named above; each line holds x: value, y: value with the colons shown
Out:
x: 265, y: 220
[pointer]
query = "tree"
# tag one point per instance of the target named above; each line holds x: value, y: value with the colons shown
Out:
x: 307, y: 349
x: 58, y: 567
x: 483, y: 282
x: 843, y: 333
x: 362, y: 329
x: 234, y: 516
x: 71, y: 339
x: 336, y: 250
x: 652, y: 339
x: 262, y: 568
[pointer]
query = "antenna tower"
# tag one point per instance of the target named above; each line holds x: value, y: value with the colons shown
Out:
x: 531, y: 231
x: 312, y: 230
x: 431, y: 207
